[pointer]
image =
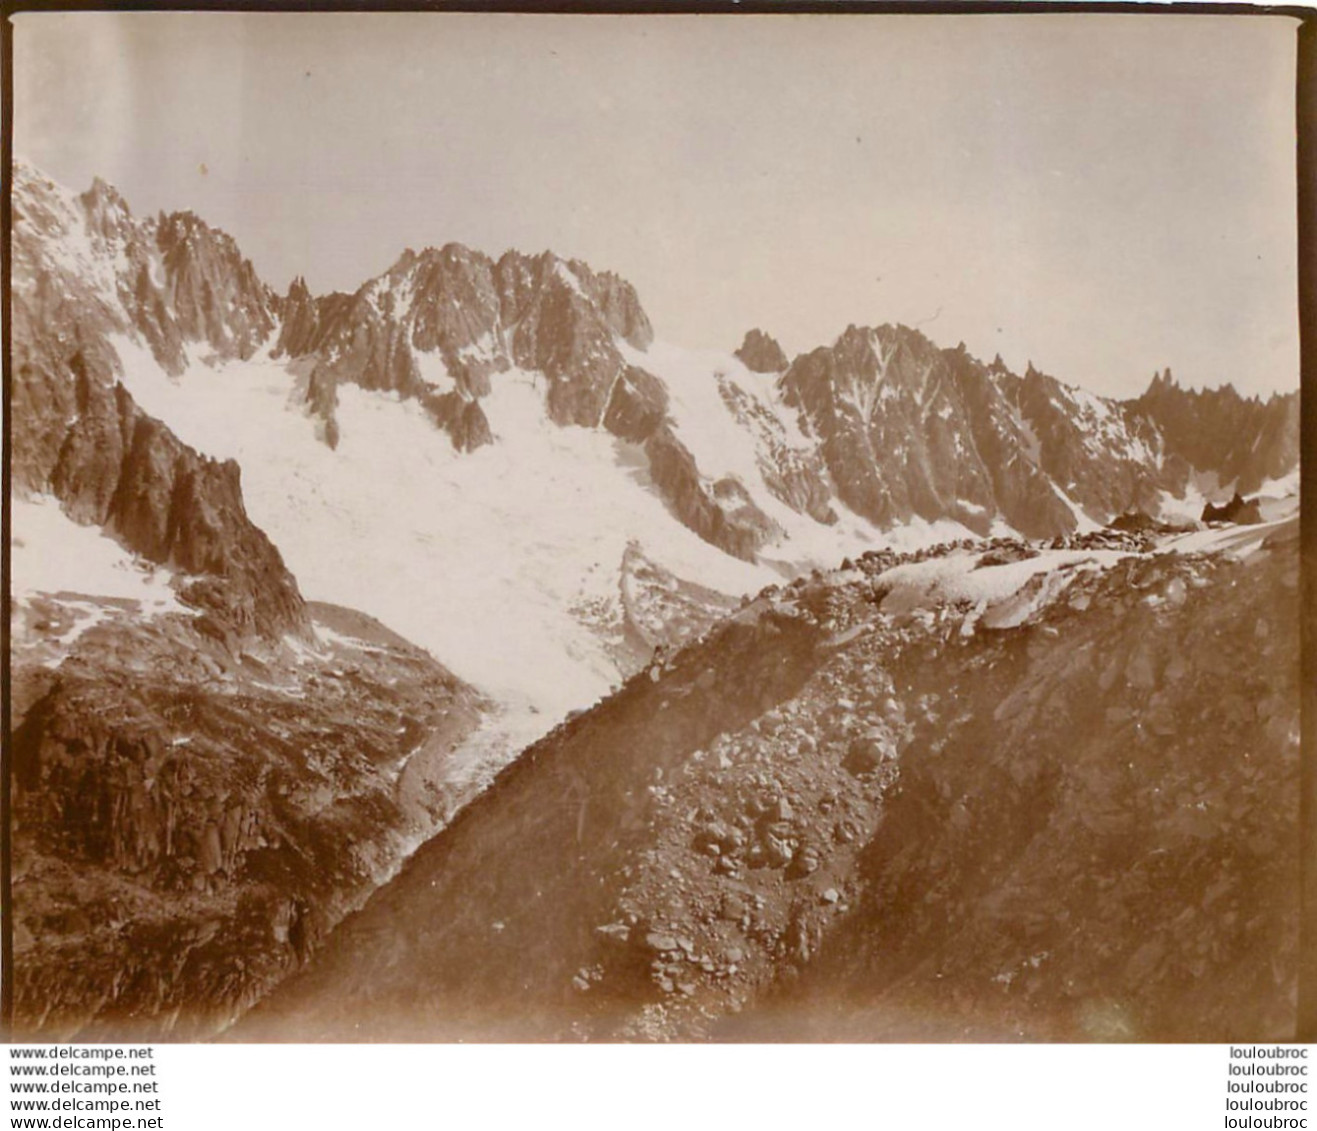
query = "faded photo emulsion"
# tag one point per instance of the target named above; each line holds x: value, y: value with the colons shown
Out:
x: 653, y: 528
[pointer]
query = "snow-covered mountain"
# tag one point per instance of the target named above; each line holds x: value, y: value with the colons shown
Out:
x: 208, y: 771
x: 237, y: 514
x: 471, y: 448
x: 85, y: 275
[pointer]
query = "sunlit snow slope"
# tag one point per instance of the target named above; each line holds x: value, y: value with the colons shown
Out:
x: 480, y: 557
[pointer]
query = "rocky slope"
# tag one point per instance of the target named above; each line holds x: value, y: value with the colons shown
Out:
x: 1101, y: 839
x: 207, y: 772
x: 988, y: 792
x: 188, y: 823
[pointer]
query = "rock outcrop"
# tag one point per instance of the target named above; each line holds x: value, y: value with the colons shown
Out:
x: 1104, y: 455
x: 1244, y: 512
x: 185, y: 836
x: 1245, y: 441
x: 760, y: 353
x: 80, y: 436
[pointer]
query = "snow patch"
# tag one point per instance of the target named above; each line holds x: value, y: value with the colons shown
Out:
x: 50, y: 553
x: 1083, y: 523
x: 568, y: 276
x: 433, y: 372
x: 1282, y: 488
x: 953, y: 578
x: 77, y: 577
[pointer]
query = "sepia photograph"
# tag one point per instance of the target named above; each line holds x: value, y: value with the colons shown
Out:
x: 636, y: 528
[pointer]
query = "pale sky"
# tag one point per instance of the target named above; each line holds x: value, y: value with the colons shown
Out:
x: 1104, y: 195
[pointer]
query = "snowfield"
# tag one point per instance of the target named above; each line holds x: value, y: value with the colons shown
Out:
x: 476, y: 557
x: 76, y: 575
x: 50, y: 553
x: 481, y: 557
x: 1001, y: 594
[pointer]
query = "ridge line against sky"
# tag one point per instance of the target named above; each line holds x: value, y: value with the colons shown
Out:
x: 1104, y: 195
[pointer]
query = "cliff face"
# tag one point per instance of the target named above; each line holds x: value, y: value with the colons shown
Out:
x: 721, y: 513
x: 1244, y: 441
x: 867, y: 807
x: 213, y: 292
x: 1096, y: 837
x: 760, y: 353
x: 113, y: 466
x: 80, y: 436
x: 183, y: 838
x: 1106, y: 456
x: 206, y: 782
x: 907, y: 430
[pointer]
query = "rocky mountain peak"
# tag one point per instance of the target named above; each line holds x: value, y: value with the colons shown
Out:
x: 1161, y: 379
x: 108, y: 215
x: 1245, y: 441
x: 214, y: 292
x: 298, y: 291
x: 441, y: 322
x: 761, y: 353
